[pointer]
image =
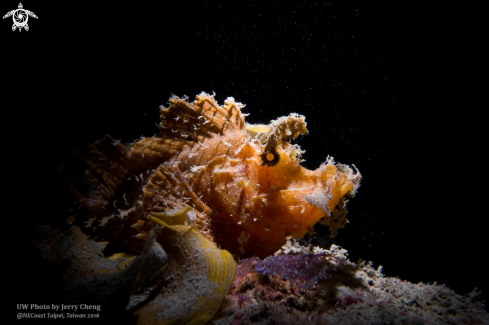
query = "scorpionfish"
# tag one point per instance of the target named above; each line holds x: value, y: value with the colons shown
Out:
x: 241, y: 185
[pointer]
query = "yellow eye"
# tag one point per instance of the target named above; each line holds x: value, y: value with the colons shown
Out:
x: 270, y: 156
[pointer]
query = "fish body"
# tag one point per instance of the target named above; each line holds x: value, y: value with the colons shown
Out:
x: 250, y: 192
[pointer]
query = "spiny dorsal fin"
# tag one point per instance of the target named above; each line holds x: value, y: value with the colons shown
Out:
x: 203, y: 115
x: 183, y: 124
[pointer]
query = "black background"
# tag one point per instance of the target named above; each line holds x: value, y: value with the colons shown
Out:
x: 389, y: 88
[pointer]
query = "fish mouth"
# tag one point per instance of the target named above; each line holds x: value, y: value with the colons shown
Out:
x: 297, y: 215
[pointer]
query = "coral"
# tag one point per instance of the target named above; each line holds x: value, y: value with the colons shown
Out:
x: 84, y: 271
x: 189, y: 283
x: 196, y: 280
x: 326, y: 288
x: 292, y: 247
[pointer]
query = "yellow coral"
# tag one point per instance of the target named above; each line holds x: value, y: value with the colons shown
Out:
x: 201, y: 274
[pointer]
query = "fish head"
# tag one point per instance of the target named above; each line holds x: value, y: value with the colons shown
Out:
x: 295, y: 198
x: 287, y: 199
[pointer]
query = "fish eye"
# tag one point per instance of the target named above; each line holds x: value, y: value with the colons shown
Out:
x: 270, y: 158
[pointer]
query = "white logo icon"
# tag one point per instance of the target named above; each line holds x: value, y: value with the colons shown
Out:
x: 20, y: 17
